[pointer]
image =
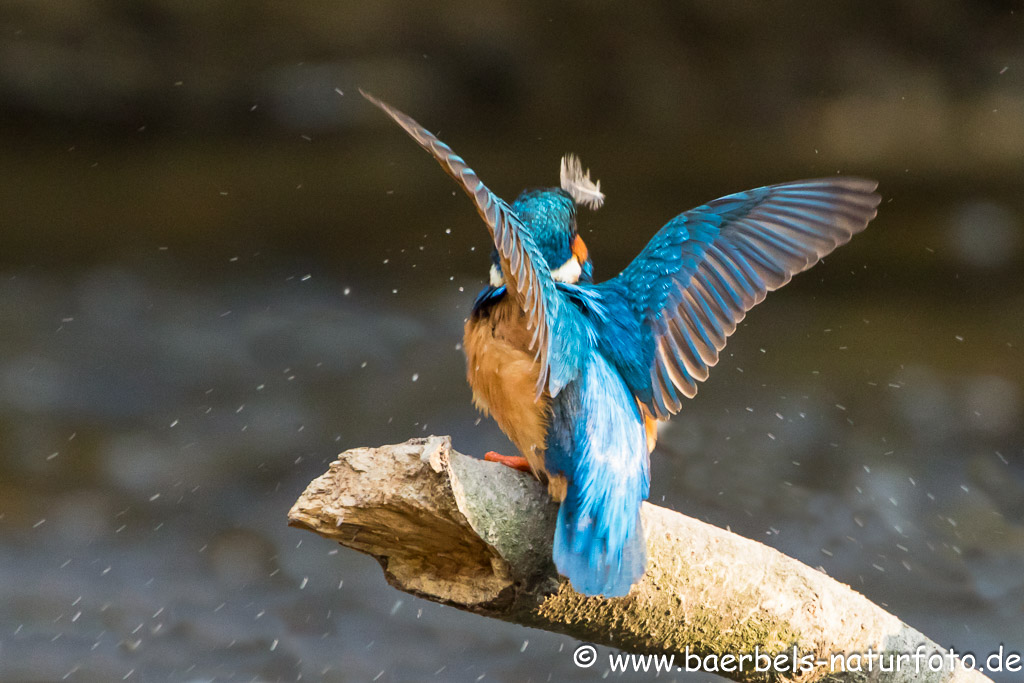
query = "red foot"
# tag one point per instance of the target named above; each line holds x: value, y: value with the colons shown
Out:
x: 516, y: 462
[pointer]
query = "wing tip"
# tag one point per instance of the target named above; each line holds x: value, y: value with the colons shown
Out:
x: 377, y: 102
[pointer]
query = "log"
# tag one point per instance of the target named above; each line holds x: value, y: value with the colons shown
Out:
x: 477, y: 536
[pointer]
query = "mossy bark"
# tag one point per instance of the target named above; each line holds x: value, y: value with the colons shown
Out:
x: 477, y: 536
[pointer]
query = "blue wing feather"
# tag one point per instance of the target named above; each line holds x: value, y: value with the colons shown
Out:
x: 699, y: 275
x: 559, y: 330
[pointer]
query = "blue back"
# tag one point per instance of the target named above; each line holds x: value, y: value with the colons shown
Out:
x: 597, y: 441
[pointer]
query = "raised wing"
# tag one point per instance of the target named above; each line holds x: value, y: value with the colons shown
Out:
x: 559, y: 332
x: 696, y: 279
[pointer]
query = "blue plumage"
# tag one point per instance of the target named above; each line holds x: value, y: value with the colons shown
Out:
x: 696, y: 279
x: 577, y: 373
x: 548, y: 211
x: 597, y: 441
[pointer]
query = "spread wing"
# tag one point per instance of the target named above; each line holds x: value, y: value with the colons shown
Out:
x: 700, y: 274
x: 558, y: 328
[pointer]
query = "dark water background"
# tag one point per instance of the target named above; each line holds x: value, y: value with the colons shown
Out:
x: 217, y: 271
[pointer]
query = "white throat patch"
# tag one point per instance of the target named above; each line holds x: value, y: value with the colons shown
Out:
x: 496, y: 279
x: 568, y: 272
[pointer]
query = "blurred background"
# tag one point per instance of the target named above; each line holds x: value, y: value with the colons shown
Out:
x: 219, y: 267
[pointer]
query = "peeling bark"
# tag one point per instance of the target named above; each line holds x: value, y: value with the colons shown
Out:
x: 477, y: 536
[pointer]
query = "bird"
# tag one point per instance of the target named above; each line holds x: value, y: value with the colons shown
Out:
x: 578, y: 373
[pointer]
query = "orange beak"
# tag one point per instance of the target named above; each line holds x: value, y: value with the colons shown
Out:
x: 579, y: 250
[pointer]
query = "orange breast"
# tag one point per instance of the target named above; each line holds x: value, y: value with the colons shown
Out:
x: 650, y: 426
x: 503, y: 375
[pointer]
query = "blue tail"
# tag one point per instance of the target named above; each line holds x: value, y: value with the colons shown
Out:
x: 597, y: 441
x: 599, y: 556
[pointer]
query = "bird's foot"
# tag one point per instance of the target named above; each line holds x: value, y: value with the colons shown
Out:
x: 516, y: 462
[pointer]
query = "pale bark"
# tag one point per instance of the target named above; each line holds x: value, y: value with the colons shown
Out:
x: 477, y: 536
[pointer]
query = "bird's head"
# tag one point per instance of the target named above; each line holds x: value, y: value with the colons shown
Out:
x: 550, y: 216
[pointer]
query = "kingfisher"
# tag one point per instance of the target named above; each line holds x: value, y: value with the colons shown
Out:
x: 578, y: 374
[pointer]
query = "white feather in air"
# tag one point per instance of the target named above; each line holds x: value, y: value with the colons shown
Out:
x: 578, y: 184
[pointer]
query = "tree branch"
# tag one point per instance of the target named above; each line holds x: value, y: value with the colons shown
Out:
x: 477, y: 536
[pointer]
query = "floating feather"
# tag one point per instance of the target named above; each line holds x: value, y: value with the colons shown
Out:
x: 579, y: 185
